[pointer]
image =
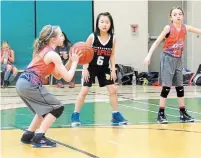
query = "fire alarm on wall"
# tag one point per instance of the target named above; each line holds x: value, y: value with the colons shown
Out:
x: 134, y: 28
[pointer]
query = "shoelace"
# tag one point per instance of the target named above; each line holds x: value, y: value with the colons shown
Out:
x: 120, y: 116
x: 185, y: 113
x: 46, y: 140
x: 76, y: 116
x: 163, y: 116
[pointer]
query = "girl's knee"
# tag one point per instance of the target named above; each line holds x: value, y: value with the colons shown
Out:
x: 8, y: 67
x: 15, y: 71
x: 113, y: 90
x: 84, y: 91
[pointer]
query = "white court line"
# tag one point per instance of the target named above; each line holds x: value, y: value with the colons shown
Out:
x: 113, y: 142
x: 86, y: 125
x: 152, y: 122
x: 145, y: 110
x: 6, y: 128
x: 158, y: 105
x: 152, y: 112
x: 140, y: 109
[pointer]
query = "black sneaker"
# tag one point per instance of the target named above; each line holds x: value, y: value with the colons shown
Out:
x: 5, y: 84
x: 42, y: 142
x: 162, y: 118
x: 27, y: 137
x: 184, y: 117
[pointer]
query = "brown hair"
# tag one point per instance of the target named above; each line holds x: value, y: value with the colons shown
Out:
x: 46, y: 34
x: 175, y: 8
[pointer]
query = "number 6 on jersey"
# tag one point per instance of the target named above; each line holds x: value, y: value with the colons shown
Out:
x: 100, y: 60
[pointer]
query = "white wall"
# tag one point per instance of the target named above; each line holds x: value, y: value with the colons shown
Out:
x: 193, y: 41
x: 130, y: 50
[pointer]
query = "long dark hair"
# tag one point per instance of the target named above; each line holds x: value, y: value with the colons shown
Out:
x: 67, y: 42
x: 111, y: 30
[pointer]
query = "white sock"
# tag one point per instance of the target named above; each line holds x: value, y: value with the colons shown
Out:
x: 39, y: 131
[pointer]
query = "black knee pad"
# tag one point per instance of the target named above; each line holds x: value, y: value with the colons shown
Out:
x: 180, y: 91
x: 165, y: 91
x: 57, y: 112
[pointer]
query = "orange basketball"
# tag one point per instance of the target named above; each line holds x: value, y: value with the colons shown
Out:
x: 86, y: 50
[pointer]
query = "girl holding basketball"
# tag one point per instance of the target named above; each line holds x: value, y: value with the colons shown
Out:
x: 103, y: 43
x: 171, y: 62
x: 30, y: 85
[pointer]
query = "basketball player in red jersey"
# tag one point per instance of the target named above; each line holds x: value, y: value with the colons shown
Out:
x: 30, y: 85
x: 103, y: 43
x: 171, y: 62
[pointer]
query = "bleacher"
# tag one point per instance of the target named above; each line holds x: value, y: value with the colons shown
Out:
x: 52, y: 80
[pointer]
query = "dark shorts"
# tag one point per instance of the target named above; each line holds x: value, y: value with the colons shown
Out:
x: 103, y: 75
